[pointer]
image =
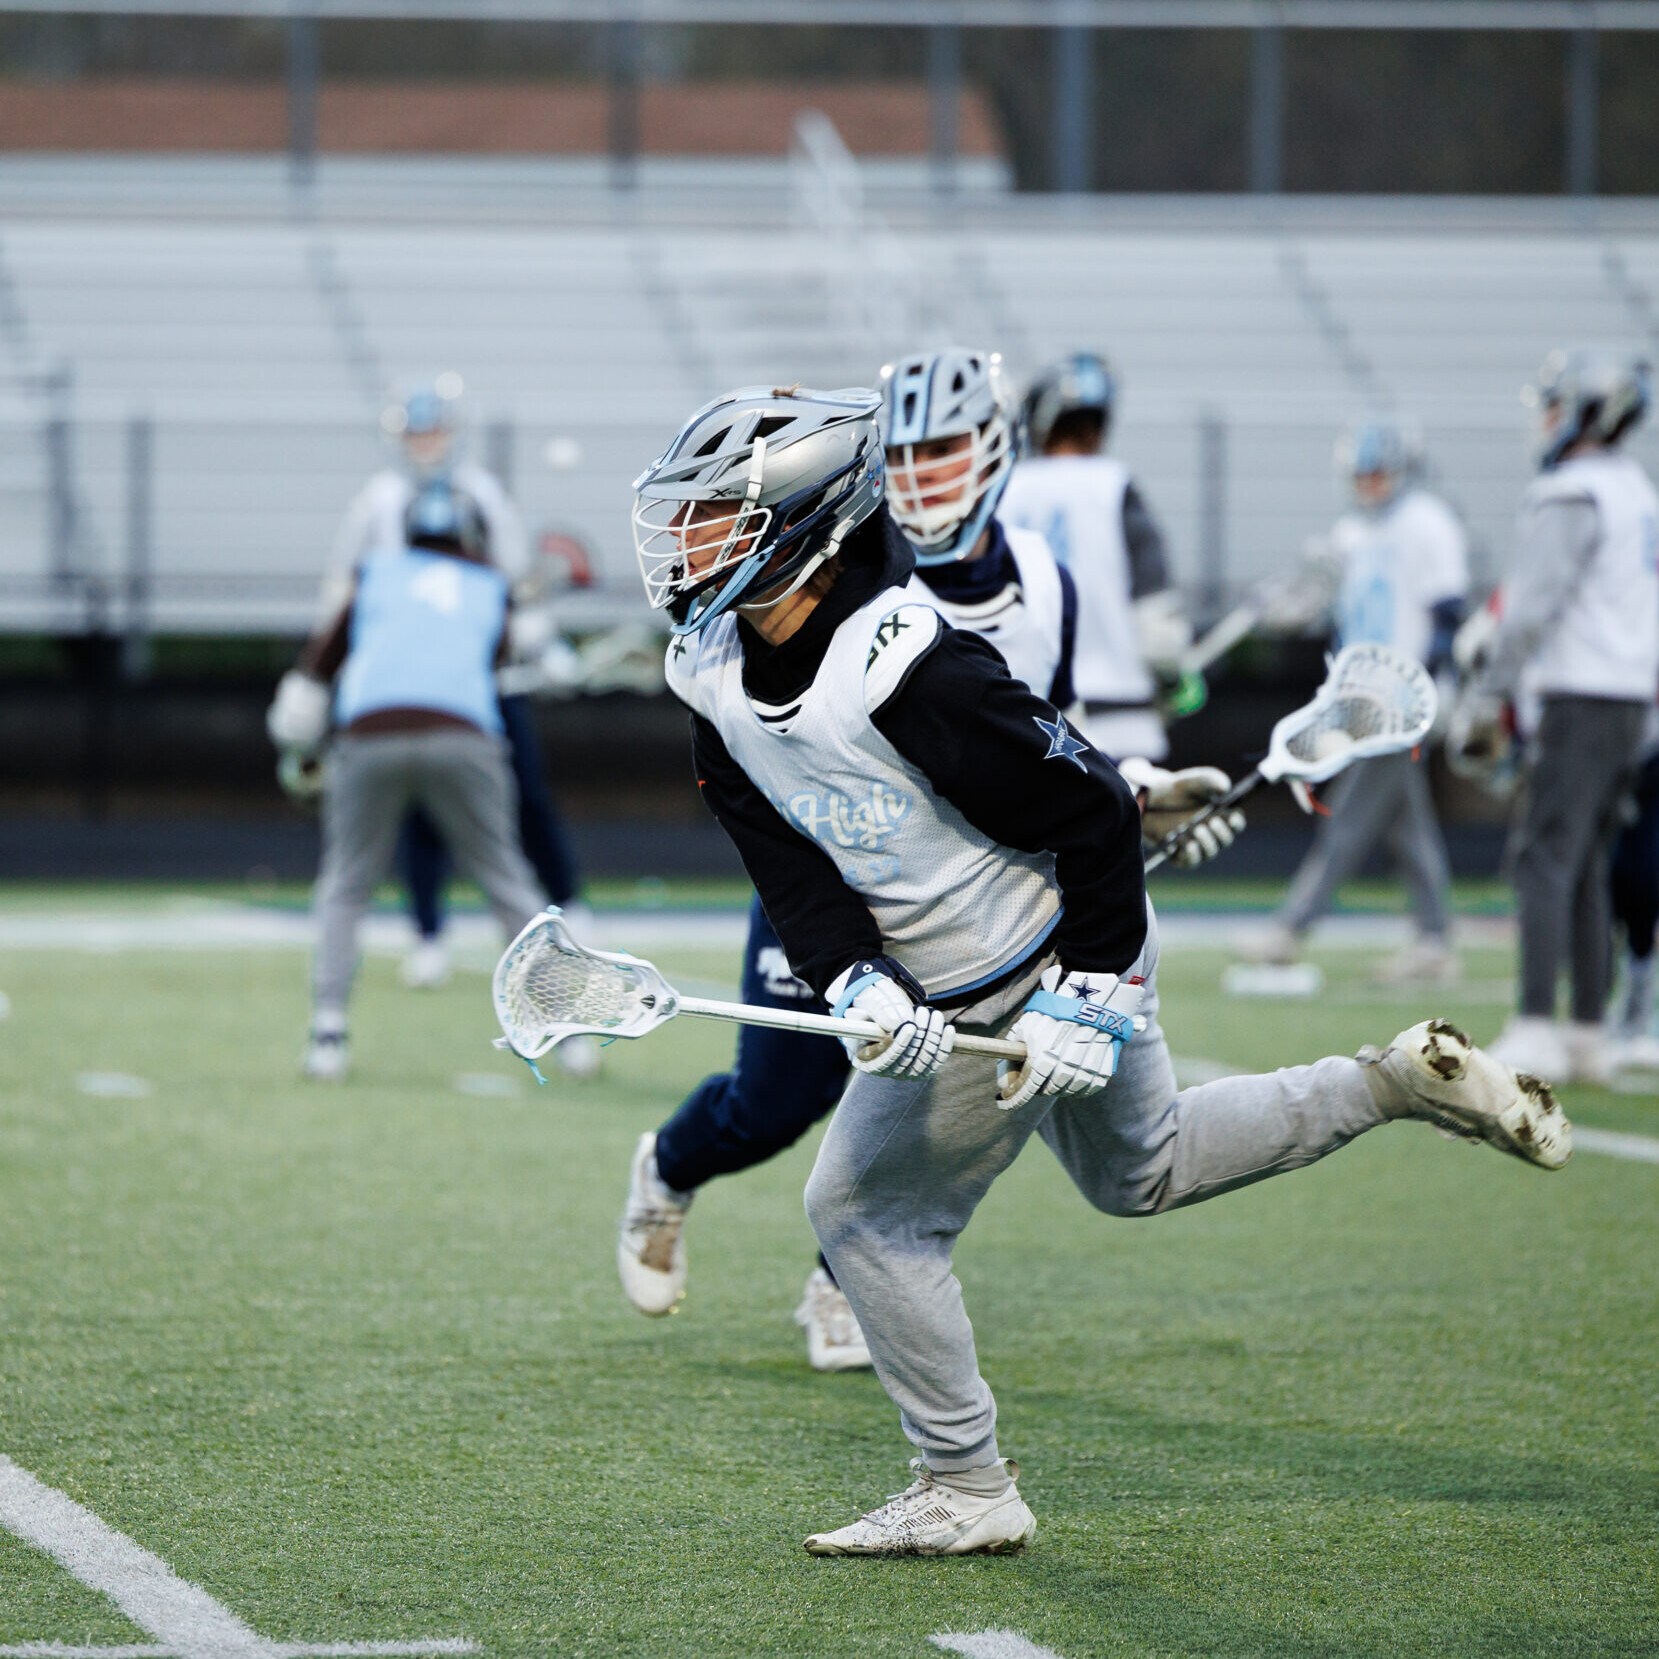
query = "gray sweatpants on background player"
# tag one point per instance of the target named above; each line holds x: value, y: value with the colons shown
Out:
x: 1578, y: 769
x: 904, y: 1165
x: 1387, y: 795
x: 462, y: 779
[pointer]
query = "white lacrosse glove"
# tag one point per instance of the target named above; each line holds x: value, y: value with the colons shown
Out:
x: 918, y: 1037
x: 1169, y: 799
x: 298, y: 715
x: 1074, y: 1028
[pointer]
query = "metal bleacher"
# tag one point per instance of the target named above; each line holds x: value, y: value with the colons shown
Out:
x: 251, y: 329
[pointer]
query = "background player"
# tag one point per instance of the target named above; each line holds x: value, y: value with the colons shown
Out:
x: 428, y: 428
x: 930, y: 839
x: 1402, y: 558
x: 409, y: 668
x: 1579, y: 631
x: 1094, y: 518
x: 949, y: 428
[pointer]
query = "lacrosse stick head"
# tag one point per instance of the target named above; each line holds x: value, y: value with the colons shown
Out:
x: 548, y: 987
x: 1375, y: 701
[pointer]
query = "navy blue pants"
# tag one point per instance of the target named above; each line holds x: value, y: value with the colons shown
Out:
x: 424, y: 860
x: 782, y: 1084
x: 1635, y: 867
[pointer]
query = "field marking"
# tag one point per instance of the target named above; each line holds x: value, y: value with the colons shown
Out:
x: 1641, y: 1149
x: 993, y: 1644
x: 288, y: 1650
x: 187, y: 1622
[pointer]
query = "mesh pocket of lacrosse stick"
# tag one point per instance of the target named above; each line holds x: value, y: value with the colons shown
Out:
x: 1375, y: 701
x: 547, y: 987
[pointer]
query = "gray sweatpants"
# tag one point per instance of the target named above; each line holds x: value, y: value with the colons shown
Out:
x: 904, y: 1165
x: 1387, y: 795
x: 1577, y: 771
x: 463, y: 781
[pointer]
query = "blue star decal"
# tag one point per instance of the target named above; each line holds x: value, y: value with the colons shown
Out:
x: 1061, y: 744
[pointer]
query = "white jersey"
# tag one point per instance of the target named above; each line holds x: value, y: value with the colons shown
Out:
x: 957, y: 908
x: 1026, y: 626
x: 1397, y: 565
x: 1606, y: 642
x: 1075, y: 502
x: 375, y: 520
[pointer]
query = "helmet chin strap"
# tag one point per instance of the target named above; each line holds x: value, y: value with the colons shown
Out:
x: 766, y: 600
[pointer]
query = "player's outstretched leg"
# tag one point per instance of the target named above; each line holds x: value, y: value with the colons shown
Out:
x: 976, y: 1512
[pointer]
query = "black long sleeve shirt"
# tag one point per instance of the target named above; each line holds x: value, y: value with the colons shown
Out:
x: 999, y: 754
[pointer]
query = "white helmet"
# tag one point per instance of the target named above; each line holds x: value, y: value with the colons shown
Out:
x: 947, y: 394
x: 1586, y: 392
x: 800, y: 469
x: 1379, y: 449
x: 431, y: 410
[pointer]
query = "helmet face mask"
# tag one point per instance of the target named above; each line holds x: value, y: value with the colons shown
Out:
x: 951, y: 439
x: 757, y: 491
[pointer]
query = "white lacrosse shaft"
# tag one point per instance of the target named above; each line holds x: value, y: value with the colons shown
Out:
x: 790, y: 1019
x: 1387, y: 695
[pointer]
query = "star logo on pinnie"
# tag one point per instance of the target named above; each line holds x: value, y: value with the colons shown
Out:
x: 1062, y: 744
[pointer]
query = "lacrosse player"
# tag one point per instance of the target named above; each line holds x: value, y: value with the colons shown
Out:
x: 934, y: 842
x: 1094, y: 518
x: 1402, y: 559
x: 407, y: 668
x: 949, y: 427
x: 1580, y: 632
x: 1635, y: 897
x: 427, y: 427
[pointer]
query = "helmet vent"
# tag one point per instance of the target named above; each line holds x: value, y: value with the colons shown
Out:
x: 770, y: 424
x: 713, y: 442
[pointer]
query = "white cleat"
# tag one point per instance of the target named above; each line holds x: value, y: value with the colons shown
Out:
x: 1273, y: 947
x: 327, y: 1057
x: 1590, y: 1054
x: 578, y: 1057
x: 650, y: 1246
x: 1534, y: 1045
x: 426, y: 967
x: 1424, y: 960
x: 1433, y: 1071
x: 931, y: 1518
x: 833, y: 1340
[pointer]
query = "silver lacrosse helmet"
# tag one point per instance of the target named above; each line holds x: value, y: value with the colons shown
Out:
x: 1082, y: 383
x: 1381, y: 450
x: 757, y: 490
x: 426, y: 422
x: 1586, y: 392
x: 942, y: 501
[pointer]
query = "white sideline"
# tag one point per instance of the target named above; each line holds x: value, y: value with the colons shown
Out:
x: 288, y: 1650
x: 187, y: 1622
x: 1641, y: 1149
x: 993, y: 1644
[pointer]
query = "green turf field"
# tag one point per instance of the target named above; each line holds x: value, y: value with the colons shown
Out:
x: 355, y: 1360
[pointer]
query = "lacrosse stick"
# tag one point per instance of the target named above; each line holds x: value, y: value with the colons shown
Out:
x: 547, y: 987
x: 1374, y: 701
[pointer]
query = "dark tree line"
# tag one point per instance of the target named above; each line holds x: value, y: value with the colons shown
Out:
x: 1428, y: 111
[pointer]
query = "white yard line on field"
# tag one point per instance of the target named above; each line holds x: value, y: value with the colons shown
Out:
x: 993, y: 1644
x: 186, y: 1621
x: 1641, y: 1149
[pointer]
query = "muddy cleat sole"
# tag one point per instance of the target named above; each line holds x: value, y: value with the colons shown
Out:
x: 1434, y: 1072
x: 930, y: 1518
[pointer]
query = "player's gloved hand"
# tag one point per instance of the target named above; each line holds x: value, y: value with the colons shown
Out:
x: 298, y: 715
x: 1074, y: 1028
x: 1481, y: 729
x: 1169, y: 799
x: 880, y: 989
